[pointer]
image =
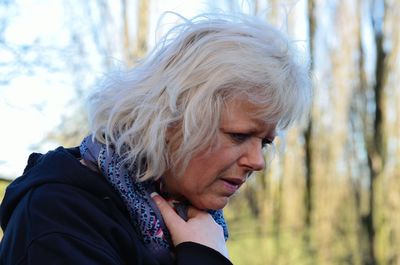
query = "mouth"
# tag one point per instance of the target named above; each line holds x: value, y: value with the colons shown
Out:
x: 232, y: 184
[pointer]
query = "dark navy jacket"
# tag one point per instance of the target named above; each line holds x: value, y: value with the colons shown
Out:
x: 61, y: 212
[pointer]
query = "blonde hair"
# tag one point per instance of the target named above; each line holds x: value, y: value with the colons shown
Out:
x: 174, y: 96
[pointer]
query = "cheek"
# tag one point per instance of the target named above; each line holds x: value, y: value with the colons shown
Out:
x: 197, y: 178
x: 203, y: 170
x: 213, y: 167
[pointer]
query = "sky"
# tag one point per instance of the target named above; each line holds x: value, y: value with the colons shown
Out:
x: 29, y: 107
x: 32, y: 104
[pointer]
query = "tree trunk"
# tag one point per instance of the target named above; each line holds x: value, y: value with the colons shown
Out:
x: 375, y: 144
x: 308, y: 198
x: 142, y: 29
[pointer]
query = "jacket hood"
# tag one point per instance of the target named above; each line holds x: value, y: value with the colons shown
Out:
x: 59, y: 166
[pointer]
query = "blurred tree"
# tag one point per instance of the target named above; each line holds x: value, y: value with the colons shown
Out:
x: 74, y: 127
x: 375, y: 137
x: 137, y: 49
x: 308, y: 137
x: 26, y: 57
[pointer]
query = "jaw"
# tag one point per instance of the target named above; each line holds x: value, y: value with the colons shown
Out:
x: 211, y: 202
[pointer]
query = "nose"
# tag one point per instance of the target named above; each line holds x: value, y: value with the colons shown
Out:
x: 253, y: 156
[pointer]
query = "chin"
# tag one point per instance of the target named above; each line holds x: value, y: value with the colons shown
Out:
x: 212, y: 204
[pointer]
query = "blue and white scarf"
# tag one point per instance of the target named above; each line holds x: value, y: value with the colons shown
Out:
x: 145, y: 216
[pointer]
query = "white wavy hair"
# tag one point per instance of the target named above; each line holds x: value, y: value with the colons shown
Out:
x: 167, y: 108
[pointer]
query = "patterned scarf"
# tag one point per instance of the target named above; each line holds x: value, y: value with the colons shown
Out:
x: 145, y: 216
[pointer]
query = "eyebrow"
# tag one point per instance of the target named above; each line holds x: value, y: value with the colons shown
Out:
x: 253, y: 131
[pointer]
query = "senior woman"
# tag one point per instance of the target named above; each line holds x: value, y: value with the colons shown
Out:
x: 171, y: 141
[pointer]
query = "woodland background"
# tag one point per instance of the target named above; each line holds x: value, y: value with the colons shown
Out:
x: 331, y: 193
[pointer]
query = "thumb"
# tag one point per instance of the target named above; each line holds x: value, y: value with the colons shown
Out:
x: 171, y: 218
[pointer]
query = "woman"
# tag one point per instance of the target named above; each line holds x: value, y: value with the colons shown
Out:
x: 172, y: 140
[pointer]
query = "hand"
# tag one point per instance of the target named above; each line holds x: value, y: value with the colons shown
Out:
x: 199, y: 228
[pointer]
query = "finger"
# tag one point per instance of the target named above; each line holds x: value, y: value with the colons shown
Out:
x: 169, y: 215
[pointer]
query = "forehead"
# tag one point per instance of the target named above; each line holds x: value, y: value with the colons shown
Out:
x: 241, y: 114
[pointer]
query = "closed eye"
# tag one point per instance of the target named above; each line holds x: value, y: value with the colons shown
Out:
x: 242, y: 137
x: 239, y: 137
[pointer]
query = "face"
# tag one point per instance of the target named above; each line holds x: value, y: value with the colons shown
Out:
x: 214, y: 175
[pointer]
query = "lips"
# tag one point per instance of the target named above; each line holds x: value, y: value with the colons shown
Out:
x: 234, y: 181
x: 232, y: 184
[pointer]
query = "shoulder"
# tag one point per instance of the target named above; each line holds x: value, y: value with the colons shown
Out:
x: 71, y: 210
x: 60, y: 218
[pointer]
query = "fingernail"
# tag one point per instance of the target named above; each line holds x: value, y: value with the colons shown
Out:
x: 156, y: 199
